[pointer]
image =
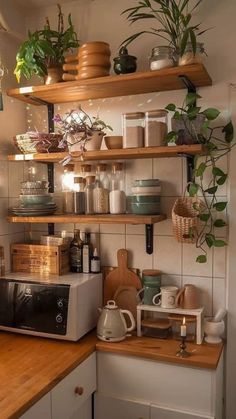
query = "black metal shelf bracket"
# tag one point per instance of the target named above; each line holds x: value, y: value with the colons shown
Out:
x: 50, y: 166
x: 149, y: 238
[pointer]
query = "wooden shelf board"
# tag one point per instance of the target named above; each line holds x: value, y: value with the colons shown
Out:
x: 95, y: 219
x: 112, y: 86
x: 125, y: 154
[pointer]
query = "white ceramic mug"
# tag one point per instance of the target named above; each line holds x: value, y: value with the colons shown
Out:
x: 167, y: 297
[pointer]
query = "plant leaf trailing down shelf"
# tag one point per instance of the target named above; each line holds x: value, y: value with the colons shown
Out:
x: 100, y: 219
x: 112, y: 86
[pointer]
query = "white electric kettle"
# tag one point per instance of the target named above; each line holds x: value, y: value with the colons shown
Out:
x: 111, y: 325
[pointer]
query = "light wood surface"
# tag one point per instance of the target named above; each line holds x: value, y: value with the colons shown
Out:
x: 112, y: 86
x: 120, y: 276
x: 202, y: 356
x: 99, y: 219
x: 123, y: 154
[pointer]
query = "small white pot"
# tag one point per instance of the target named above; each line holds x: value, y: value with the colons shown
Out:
x: 95, y: 142
x: 213, y: 330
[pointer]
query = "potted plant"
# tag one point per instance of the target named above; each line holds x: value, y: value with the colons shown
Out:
x: 43, y: 53
x: 174, y: 24
x: 80, y: 131
x: 218, y: 141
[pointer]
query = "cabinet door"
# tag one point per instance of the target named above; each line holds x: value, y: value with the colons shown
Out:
x: 41, y: 409
x: 70, y: 394
x: 164, y: 413
x: 111, y: 407
x: 85, y: 411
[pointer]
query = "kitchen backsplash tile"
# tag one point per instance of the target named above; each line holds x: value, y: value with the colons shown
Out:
x: 219, y: 293
x: 16, y: 176
x: 167, y: 255
x: 109, y: 244
x: 138, y: 258
x: 219, y: 262
x: 112, y: 228
x: 3, y: 179
x: 169, y: 171
x: 205, y: 290
x: 191, y: 267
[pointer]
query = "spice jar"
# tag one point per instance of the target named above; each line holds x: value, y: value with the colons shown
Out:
x: 162, y: 57
x: 79, y: 201
x: 117, y: 197
x: 89, y: 189
x: 101, y: 191
x: 85, y: 170
x: 133, y: 129
x: 155, y: 127
x: 189, y: 57
x: 67, y: 189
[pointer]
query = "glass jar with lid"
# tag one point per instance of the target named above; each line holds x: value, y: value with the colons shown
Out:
x: 155, y: 127
x: 79, y: 201
x: 117, y: 197
x: 162, y: 57
x: 68, y: 189
x: 89, y: 191
x: 101, y: 191
x: 85, y: 170
x: 133, y: 129
x: 189, y: 57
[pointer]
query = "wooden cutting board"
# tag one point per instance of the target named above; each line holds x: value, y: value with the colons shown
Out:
x: 120, y: 276
x: 126, y: 298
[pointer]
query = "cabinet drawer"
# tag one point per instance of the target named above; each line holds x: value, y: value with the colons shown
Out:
x: 65, y: 400
x: 41, y: 409
x: 111, y: 407
x: 163, y: 413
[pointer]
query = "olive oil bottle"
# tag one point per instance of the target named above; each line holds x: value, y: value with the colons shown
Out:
x: 76, y: 253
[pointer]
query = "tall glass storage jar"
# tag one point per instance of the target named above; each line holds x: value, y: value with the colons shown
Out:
x: 117, y: 197
x: 79, y: 201
x: 101, y: 191
x: 133, y: 129
x: 89, y: 198
x: 155, y: 127
x: 68, y: 189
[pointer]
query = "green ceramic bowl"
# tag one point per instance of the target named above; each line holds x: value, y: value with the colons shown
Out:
x: 145, y: 199
x: 29, y: 200
x: 145, y: 209
x: 147, y: 182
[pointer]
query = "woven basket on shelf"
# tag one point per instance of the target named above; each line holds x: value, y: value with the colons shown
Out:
x: 45, y: 143
x: 184, y: 218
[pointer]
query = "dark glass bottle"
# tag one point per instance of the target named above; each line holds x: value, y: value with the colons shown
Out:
x: 76, y: 254
x: 87, y: 254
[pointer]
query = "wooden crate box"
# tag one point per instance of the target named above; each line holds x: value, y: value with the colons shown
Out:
x: 37, y: 258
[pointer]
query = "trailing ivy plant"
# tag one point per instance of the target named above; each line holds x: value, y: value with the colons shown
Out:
x: 218, y: 141
x: 173, y: 19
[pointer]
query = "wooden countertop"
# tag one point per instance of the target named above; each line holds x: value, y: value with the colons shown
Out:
x: 31, y: 366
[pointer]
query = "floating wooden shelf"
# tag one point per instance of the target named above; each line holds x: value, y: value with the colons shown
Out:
x: 123, y: 154
x: 88, y: 219
x: 112, y: 86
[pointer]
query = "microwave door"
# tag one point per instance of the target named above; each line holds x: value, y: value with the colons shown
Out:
x: 7, y: 288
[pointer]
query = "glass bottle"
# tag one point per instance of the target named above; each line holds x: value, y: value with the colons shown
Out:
x: 76, y: 248
x: 95, y: 262
x: 87, y: 253
x: 79, y: 198
x: 89, y: 195
x: 133, y: 129
x: 155, y: 127
x: 101, y: 191
x: 161, y: 57
x: 117, y: 198
x: 189, y: 57
x: 67, y: 189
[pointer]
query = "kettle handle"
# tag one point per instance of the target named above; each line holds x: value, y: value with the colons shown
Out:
x: 130, y: 315
x: 177, y: 298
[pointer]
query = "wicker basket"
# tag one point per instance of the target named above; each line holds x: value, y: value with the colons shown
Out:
x: 30, y: 143
x: 184, y: 218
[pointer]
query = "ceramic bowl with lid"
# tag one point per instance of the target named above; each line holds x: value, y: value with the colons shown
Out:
x: 146, y: 182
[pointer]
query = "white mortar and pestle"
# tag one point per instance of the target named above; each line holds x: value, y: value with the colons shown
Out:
x: 214, y: 327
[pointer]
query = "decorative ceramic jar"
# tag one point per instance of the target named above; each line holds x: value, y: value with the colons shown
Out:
x: 124, y: 63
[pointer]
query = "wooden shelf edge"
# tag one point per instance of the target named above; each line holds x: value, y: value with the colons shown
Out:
x: 124, y: 153
x: 95, y: 219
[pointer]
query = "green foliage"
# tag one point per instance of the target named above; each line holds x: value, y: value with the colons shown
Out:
x: 45, y: 48
x: 174, y: 22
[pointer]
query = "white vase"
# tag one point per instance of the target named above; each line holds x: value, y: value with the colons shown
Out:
x: 95, y: 141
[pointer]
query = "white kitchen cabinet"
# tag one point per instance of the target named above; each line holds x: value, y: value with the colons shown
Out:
x: 110, y: 407
x: 193, y: 392
x: 74, y: 390
x: 41, y: 409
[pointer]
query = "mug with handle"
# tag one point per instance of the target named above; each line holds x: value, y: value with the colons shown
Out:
x: 167, y: 297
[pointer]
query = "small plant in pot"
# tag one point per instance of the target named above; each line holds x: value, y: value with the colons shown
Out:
x: 174, y: 25
x: 80, y: 131
x: 43, y: 53
x: 218, y: 141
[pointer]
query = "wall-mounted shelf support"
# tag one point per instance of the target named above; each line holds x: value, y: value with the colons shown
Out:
x: 190, y: 168
x: 149, y: 238
x: 188, y: 84
x: 50, y: 166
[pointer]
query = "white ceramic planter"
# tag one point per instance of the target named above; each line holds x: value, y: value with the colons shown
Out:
x: 213, y: 330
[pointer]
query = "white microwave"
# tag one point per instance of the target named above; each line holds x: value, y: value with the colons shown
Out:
x: 64, y: 307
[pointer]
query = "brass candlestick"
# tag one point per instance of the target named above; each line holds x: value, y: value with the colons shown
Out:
x: 182, y: 353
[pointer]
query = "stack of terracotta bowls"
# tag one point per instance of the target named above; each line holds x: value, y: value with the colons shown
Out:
x: 94, y: 60
x: 146, y: 197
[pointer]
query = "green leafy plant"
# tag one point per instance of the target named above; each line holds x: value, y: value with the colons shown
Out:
x: 174, y: 19
x: 218, y: 141
x: 45, y: 48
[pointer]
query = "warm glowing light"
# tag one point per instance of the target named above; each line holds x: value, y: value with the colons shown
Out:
x: 184, y: 320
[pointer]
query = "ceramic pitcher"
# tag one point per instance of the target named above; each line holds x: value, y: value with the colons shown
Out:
x: 188, y: 297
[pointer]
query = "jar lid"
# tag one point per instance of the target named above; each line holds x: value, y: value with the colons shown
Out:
x: 151, y: 272
x: 69, y: 168
x: 78, y: 179
x: 134, y: 115
x: 117, y: 166
x: 85, y: 168
x: 162, y: 49
x: 111, y: 305
x: 101, y: 167
x: 156, y: 112
x: 90, y: 179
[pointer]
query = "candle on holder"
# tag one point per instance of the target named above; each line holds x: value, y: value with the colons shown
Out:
x: 183, y: 329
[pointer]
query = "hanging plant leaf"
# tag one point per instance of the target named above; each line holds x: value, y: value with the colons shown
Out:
x: 200, y: 170
x: 228, y: 130
x: 171, y: 137
x: 171, y: 107
x: 212, y: 190
x: 219, y: 223
x: 191, y: 98
x: 211, y: 113
x: 217, y: 171
x: 222, y: 180
x: 210, y: 240
x: 220, y: 243
x: 220, y: 206
x: 193, y: 188
x: 201, y: 259
x: 204, y: 217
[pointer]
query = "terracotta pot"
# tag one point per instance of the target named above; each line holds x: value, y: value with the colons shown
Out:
x: 54, y: 75
x: 95, y: 142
